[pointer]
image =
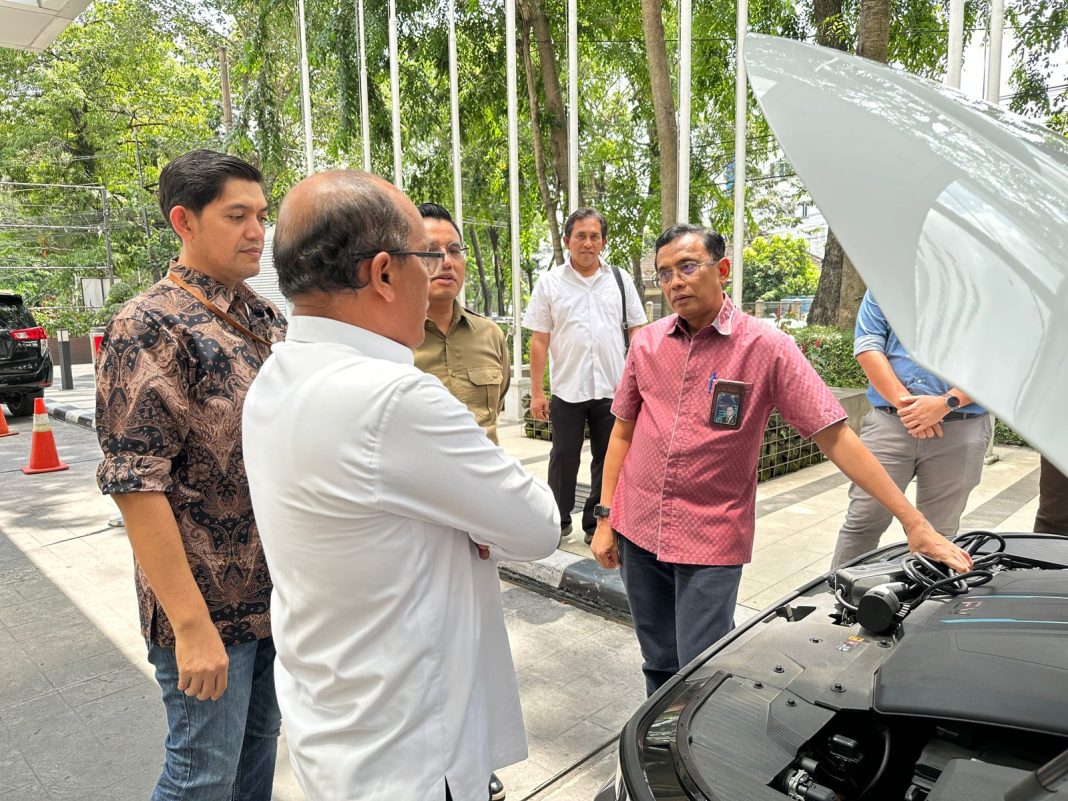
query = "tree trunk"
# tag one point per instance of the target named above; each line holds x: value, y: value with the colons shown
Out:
x: 636, y: 272
x: 554, y: 96
x: 487, y: 307
x: 824, y: 309
x: 873, y: 29
x: 664, y: 109
x: 873, y: 41
x: 850, y: 295
x: 539, y: 154
x: 498, y: 273
x: 827, y: 17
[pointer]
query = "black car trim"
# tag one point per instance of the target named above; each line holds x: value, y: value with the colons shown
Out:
x: 685, y: 764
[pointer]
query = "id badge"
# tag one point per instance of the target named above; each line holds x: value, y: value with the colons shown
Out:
x: 728, y: 404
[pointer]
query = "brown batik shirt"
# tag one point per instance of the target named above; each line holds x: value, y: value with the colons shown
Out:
x: 171, y: 379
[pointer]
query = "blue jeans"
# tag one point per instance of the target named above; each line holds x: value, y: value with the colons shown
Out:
x: 220, y: 750
x: 678, y: 610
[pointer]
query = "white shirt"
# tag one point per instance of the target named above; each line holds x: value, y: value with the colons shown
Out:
x: 371, y: 484
x: 583, y: 318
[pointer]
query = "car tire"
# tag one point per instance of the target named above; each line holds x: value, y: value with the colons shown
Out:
x: 22, y: 405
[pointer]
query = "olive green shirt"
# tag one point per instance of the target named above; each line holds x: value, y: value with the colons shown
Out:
x: 471, y: 360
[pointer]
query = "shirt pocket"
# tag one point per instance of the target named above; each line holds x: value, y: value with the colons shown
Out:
x: 483, y: 390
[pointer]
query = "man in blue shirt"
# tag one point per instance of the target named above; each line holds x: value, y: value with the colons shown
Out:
x: 919, y: 427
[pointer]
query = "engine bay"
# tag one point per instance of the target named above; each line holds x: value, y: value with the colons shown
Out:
x: 873, y: 685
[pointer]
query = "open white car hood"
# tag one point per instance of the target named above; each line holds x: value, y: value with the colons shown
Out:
x: 954, y: 212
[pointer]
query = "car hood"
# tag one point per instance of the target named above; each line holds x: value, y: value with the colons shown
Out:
x: 954, y: 212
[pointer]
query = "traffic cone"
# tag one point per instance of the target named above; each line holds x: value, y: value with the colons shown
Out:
x: 4, y: 431
x: 43, y: 456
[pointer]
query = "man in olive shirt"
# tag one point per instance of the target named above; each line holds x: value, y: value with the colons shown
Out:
x: 464, y: 350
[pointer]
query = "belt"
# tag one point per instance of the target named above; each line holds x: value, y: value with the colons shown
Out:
x: 949, y: 417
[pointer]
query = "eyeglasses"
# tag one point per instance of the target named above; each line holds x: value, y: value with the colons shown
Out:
x: 686, y: 269
x: 455, y: 250
x: 432, y: 260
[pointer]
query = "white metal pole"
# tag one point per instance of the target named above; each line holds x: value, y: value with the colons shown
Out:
x: 454, y: 112
x: 739, y: 151
x: 305, y: 91
x: 997, y: 34
x: 394, y: 85
x: 365, y: 123
x: 572, y: 106
x: 513, y: 185
x: 956, y: 43
x: 685, y: 43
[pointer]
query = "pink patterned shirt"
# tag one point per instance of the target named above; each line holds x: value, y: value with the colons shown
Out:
x: 687, y: 490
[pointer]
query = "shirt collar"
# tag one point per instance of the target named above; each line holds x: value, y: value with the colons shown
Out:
x: 305, y: 328
x: 219, y: 294
x: 458, y: 313
x: 723, y: 323
x: 602, y: 268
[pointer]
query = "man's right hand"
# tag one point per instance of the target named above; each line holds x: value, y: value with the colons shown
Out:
x: 603, y: 545
x: 202, y: 662
x: 539, y: 407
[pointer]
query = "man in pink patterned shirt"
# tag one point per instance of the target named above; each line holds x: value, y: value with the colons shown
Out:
x: 679, y: 485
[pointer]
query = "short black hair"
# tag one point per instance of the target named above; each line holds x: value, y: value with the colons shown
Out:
x: 715, y: 245
x: 319, y: 248
x: 582, y: 214
x: 197, y: 178
x: 435, y: 211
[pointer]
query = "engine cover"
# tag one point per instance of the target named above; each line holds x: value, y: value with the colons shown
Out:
x: 996, y: 655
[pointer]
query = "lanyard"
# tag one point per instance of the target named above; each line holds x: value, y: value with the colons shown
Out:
x: 226, y: 318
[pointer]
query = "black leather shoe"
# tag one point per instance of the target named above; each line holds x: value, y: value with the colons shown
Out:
x: 588, y: 538
x: 496, y: 788
x: 565, y: 530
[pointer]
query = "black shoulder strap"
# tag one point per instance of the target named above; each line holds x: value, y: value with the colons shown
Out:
x: 623, y: 301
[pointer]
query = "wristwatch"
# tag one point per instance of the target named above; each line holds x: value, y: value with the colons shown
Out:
x: 952, y: 401
x: 601, y: 511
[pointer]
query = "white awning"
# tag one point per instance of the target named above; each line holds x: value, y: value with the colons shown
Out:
x: 34, y: 24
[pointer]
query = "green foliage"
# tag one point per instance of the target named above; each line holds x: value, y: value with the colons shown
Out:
x: 830, y: 351
x: 1003, y: 435
x: 778, y: 267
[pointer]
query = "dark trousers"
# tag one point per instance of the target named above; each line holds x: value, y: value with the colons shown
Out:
x: 678, y: 610
x: 569, y: 420
x: 1052, y: 515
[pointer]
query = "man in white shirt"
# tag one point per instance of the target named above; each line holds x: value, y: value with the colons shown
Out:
x: 379, y: 500
x: 576, y: 315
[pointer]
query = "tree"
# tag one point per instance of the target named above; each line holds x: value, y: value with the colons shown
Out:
x: 778, y: 267
x: 667, y: 136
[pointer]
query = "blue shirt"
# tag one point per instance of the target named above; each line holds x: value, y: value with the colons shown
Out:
x: 873, y: 332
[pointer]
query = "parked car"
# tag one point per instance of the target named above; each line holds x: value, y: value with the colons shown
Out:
x: 892, y: 678
x: 25, y: 363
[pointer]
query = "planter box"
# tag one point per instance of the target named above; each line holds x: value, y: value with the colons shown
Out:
x: 783, y: 450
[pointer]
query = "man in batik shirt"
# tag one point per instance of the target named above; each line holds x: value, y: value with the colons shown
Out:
x: 174, y: 367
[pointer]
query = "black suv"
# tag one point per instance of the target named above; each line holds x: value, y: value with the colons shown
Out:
x: 25, y: 363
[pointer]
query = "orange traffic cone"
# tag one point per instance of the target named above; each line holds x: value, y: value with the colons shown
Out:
x: 43, y: 456
x: 4, y: 432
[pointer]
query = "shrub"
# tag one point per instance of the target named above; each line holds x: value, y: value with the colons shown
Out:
x: 830, y: 351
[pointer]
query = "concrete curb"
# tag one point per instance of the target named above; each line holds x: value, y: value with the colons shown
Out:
x: 574, y: 578
x: 69, y: 413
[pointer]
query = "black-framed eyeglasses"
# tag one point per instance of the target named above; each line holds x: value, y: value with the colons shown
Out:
x: 432, y: 259
x: 685, y: 269
x: 455, y: 250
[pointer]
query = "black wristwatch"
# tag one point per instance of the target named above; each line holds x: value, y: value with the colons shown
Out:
x: 601, y: 511
x: 952, y: 401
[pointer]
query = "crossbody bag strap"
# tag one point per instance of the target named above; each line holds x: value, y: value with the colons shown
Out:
x: 623, y: 302
x: 226, y: 318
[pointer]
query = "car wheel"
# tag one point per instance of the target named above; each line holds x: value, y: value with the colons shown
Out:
x: 22, y: 405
